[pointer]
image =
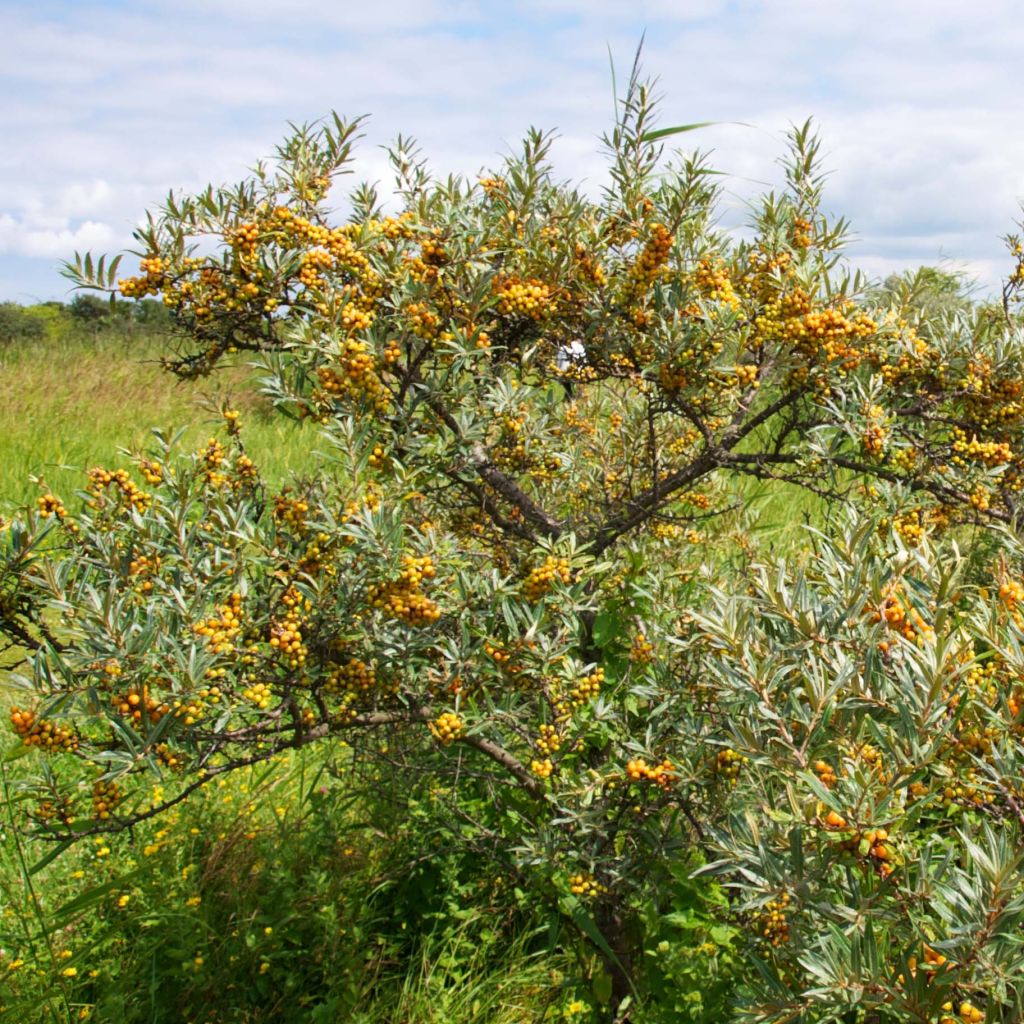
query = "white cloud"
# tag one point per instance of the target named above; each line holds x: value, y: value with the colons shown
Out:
x: 917, y: 102
x: 25, y: 239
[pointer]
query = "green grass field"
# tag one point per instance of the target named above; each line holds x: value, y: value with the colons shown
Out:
x: 66, y: 405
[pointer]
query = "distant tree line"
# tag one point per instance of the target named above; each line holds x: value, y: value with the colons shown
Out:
x: 50, y: 320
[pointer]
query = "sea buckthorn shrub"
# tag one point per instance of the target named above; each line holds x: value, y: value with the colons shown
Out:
x: 840, y: 746
x: 535, y: 406
x: 446, y: 328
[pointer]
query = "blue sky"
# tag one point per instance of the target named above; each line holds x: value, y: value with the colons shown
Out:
x: 109, y: 104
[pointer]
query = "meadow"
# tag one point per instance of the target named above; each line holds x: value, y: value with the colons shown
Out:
x: 73, y: 398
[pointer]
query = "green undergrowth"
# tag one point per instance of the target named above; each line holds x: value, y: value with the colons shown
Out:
x: 272, y: 895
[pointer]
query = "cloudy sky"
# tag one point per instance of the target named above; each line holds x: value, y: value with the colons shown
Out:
x: 110, y: 103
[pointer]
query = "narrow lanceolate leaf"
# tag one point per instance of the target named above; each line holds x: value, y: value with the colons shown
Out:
x: 680, y: 129
x: 112, y: 270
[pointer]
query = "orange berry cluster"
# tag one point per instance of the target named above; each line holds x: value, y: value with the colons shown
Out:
x: 990, y: 453
x: 286, y: 632
x: 695, y: 498
x: 245, y: 237
x: 38, y: 732
x: 826, y: 773
x: 712, y: 278
x: 901, y: 616
x: 872, y: 757
x: 111, y: 668
x: 316, y: 556
x: 496, y: 652
x: 136, y: 706
x: 51, y: 505
x: 392, y: 352
x: 827, y: 335
x: 586, y: 885
x: 290, y: 512
x: 530, y: 299
x: 588, y: 267
x: 871, y: 844
x: 447, y: 728
x: 143, y: 568
x: 492, y: 186
x: 422, y: 322
x: 587, y: 687
x: 641, y: 651
x: 153, y: 276
x: 354, y: 677
x: 543, y: 769
x: 190, y: 710
x: 357, y: 379
x: 780, y: 316
x: 509, y: 452
x: 433, y: 253
x: 909, y: 526
x: 966, y: 1011
x: 212, y: 457
x: 394, y: 228
x: 933, y: 963
x: 241, y: 285
x: 830, y: 335
x: 258, y: 694
x: 638, y: 770
x: 59, y: 808
x: 221, y: 630
x: 650, y: 261
x: 673, y: 378
x: 802, y: 233
x: 980, y: 498
x: 106, y: 796
x: 128, y: 493
x: 311, y: 266
x: 402, y: 598
x: 549, y: 741
x: 357, y: 315
x: 1011, y: 593
x: 168, y: 758
x: 834, y: 820
x: 540, y: 580
x: 729, y: 763
x: 874, y: 436
x: 772, y: 922
x: 370, y: 502
x: 247, y: 473
x: 745, y: 376
x: 579, y: 370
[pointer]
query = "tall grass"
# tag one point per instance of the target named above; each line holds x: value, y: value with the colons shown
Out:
x: 67, y: 404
